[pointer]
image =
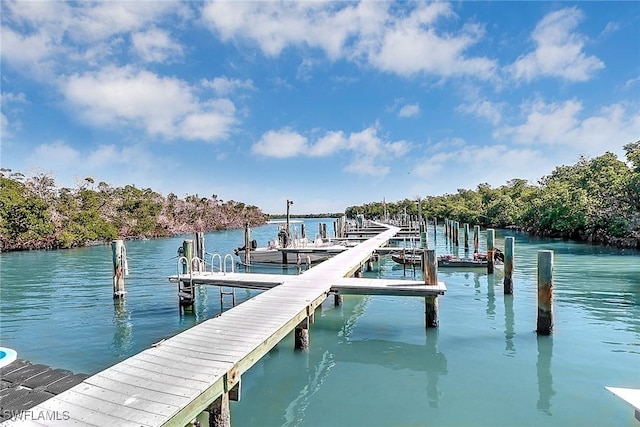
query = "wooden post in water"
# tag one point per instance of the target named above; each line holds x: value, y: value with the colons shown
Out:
x: 423, y: 236
x: 435, y: 228
x: 466, y: 237
x: 491, y: 235
x: 545, y: 293
x: 219, y: 414
x: 476, y: 238
x: 446, y: 229
x: 456, y: 233
x: 430, y: 275
x: 119, y: 257
x: 508, y: 265
x: 199, y: 249
x: 187, y: 252
x: 302, y: 335
x: 247, y: 244
x: 337, y: 299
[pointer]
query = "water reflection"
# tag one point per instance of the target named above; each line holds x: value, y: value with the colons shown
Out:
x: 123, y: 326
x: 437, y: 367
x: 509, y: 322
x: 491, y: 295
x: 545, y: 379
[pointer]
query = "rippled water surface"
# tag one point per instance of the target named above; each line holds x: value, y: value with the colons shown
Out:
x: 371, y: 361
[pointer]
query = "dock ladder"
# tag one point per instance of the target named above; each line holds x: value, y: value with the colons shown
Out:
x: 222, y: 268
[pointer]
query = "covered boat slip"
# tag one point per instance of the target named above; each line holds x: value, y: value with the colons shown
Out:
x: 180, y: 377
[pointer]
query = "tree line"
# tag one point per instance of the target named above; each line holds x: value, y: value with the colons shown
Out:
x: 36, y: 214
x: 596, y: 200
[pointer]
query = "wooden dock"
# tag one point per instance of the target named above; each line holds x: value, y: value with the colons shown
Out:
x: 629, y: 395
x: 197, y: 370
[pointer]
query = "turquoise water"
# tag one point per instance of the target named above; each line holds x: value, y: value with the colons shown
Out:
x: 371, y: 361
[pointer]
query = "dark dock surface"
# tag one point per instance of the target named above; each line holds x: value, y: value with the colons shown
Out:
x: 24, y: 385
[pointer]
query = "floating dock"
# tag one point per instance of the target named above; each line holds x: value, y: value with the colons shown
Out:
x: 200, y: 369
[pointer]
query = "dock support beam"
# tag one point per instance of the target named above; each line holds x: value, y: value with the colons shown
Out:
x: 119, y: 257
x: 337, y: 299
x: 430, y: 274
x: 302, y: 335
x: 508, y: 265
x: 491, y: 235
x: 219, y: 414
x: 545, y: 293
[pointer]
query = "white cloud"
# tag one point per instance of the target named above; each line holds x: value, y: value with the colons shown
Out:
x: 10, y: 103
x: 276, y: 25
x: 405, y: 41
x: 559, y: 50
x: 560, y: 124
x: 409, y: 110
x: 155, y: 45
x: 160, y: 105
x: 470, y: 162
x: 281, y: 144
x: 225, y: 85
x: 329, y: 144
x: 484, y: 109
x: 41, y: 38
x: 369, y: 153
x: 56, y: 155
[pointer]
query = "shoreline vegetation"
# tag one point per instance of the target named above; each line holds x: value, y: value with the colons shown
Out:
x: 35, y: 214
x: 595, y: 200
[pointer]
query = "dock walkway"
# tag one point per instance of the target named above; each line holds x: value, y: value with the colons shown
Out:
x: 173, y: 382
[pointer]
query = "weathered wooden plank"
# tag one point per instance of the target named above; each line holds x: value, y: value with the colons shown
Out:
x: 133, y: 407
x: 213, y: 345
x: 203, y: 375
x: 79, y: 415
x: 169, y: 384
x: 135, y: 392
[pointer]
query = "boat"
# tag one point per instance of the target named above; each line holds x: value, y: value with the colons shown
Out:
x: 288, y: 248
x: 449, y: 261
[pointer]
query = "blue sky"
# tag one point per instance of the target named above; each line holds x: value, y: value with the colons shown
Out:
x: 329, y: 104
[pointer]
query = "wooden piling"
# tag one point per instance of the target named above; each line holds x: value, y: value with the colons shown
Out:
x: 491, y: 234
x: 430, y: 275
x: 508, y: 265
x: 476, y: 238
x: 118, y: 256
x: 545, y: 293
x: 466, y: 237
x: 337, y: 299
x: 423, y: 236
x: 199, y: 246
x: 302, y: 335
x: 435, y: 229
x: 219, y: 414
x: 247, y: 244
x: 187, y: 252
x: 456, y: 233
x: 446, y: 229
